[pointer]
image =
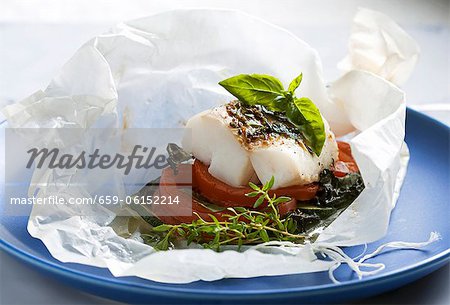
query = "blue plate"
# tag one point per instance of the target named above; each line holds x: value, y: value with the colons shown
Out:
x: 423, y: 207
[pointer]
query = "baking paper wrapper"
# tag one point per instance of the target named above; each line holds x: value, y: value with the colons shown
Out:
x: 159, y: 71
x: 379, y: 45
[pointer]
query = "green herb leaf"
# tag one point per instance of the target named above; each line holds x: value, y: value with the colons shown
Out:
x: 303, y: 113
x: 264, y: 236
x: 162, y: 228
x: 259, y: 219
x: 253, y: 186
x: 240, y: 209
x: 295, y: 83
x: 281, y: 199
x: 291, y: 225
x: 214, y: 219
x: 206, y: 229
x: 242, y: 226
x: 216, y: 240
x: 252, y: 194
x: 191, y: 237
x: 162, y: 245
x: 254, y: 89
x: 259, y: 201
x: 181, y: 232
x: 269, y: 184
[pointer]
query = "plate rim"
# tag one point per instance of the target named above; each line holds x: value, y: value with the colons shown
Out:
x: 193, y: 293
x: 181, y: 291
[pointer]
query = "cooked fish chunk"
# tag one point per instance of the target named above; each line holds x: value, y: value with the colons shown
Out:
x: 242, y: 144
x: 213, y: 142
x: 290, y: 163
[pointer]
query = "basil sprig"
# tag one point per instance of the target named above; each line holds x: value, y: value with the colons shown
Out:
x: 268, y: 91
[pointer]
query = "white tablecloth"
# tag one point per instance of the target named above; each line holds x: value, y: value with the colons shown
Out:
x: 37, y: 37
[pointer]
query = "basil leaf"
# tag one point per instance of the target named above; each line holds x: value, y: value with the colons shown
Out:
x: 295, y: 83
x: 303, y: 113
x: 268, y: 91
x: 255, y: 89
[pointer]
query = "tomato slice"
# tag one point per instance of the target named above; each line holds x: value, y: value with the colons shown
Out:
x: 222, y: 194
x: 346, y: 164
x: 170, y: 185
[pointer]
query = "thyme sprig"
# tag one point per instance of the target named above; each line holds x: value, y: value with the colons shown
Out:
x: 240, y: 227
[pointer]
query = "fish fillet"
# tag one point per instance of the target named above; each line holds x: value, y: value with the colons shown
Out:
x: 213, y: 138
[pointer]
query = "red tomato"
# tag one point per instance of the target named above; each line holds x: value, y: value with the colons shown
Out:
x: 346, y: 164
x: 224, y: 195
x: 168, y: 187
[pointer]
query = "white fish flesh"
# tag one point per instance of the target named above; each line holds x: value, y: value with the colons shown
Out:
x: 214, y: 138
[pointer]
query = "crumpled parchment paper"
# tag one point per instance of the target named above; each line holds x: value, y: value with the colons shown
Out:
x: 160, y: 70
x: 379, y: 45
